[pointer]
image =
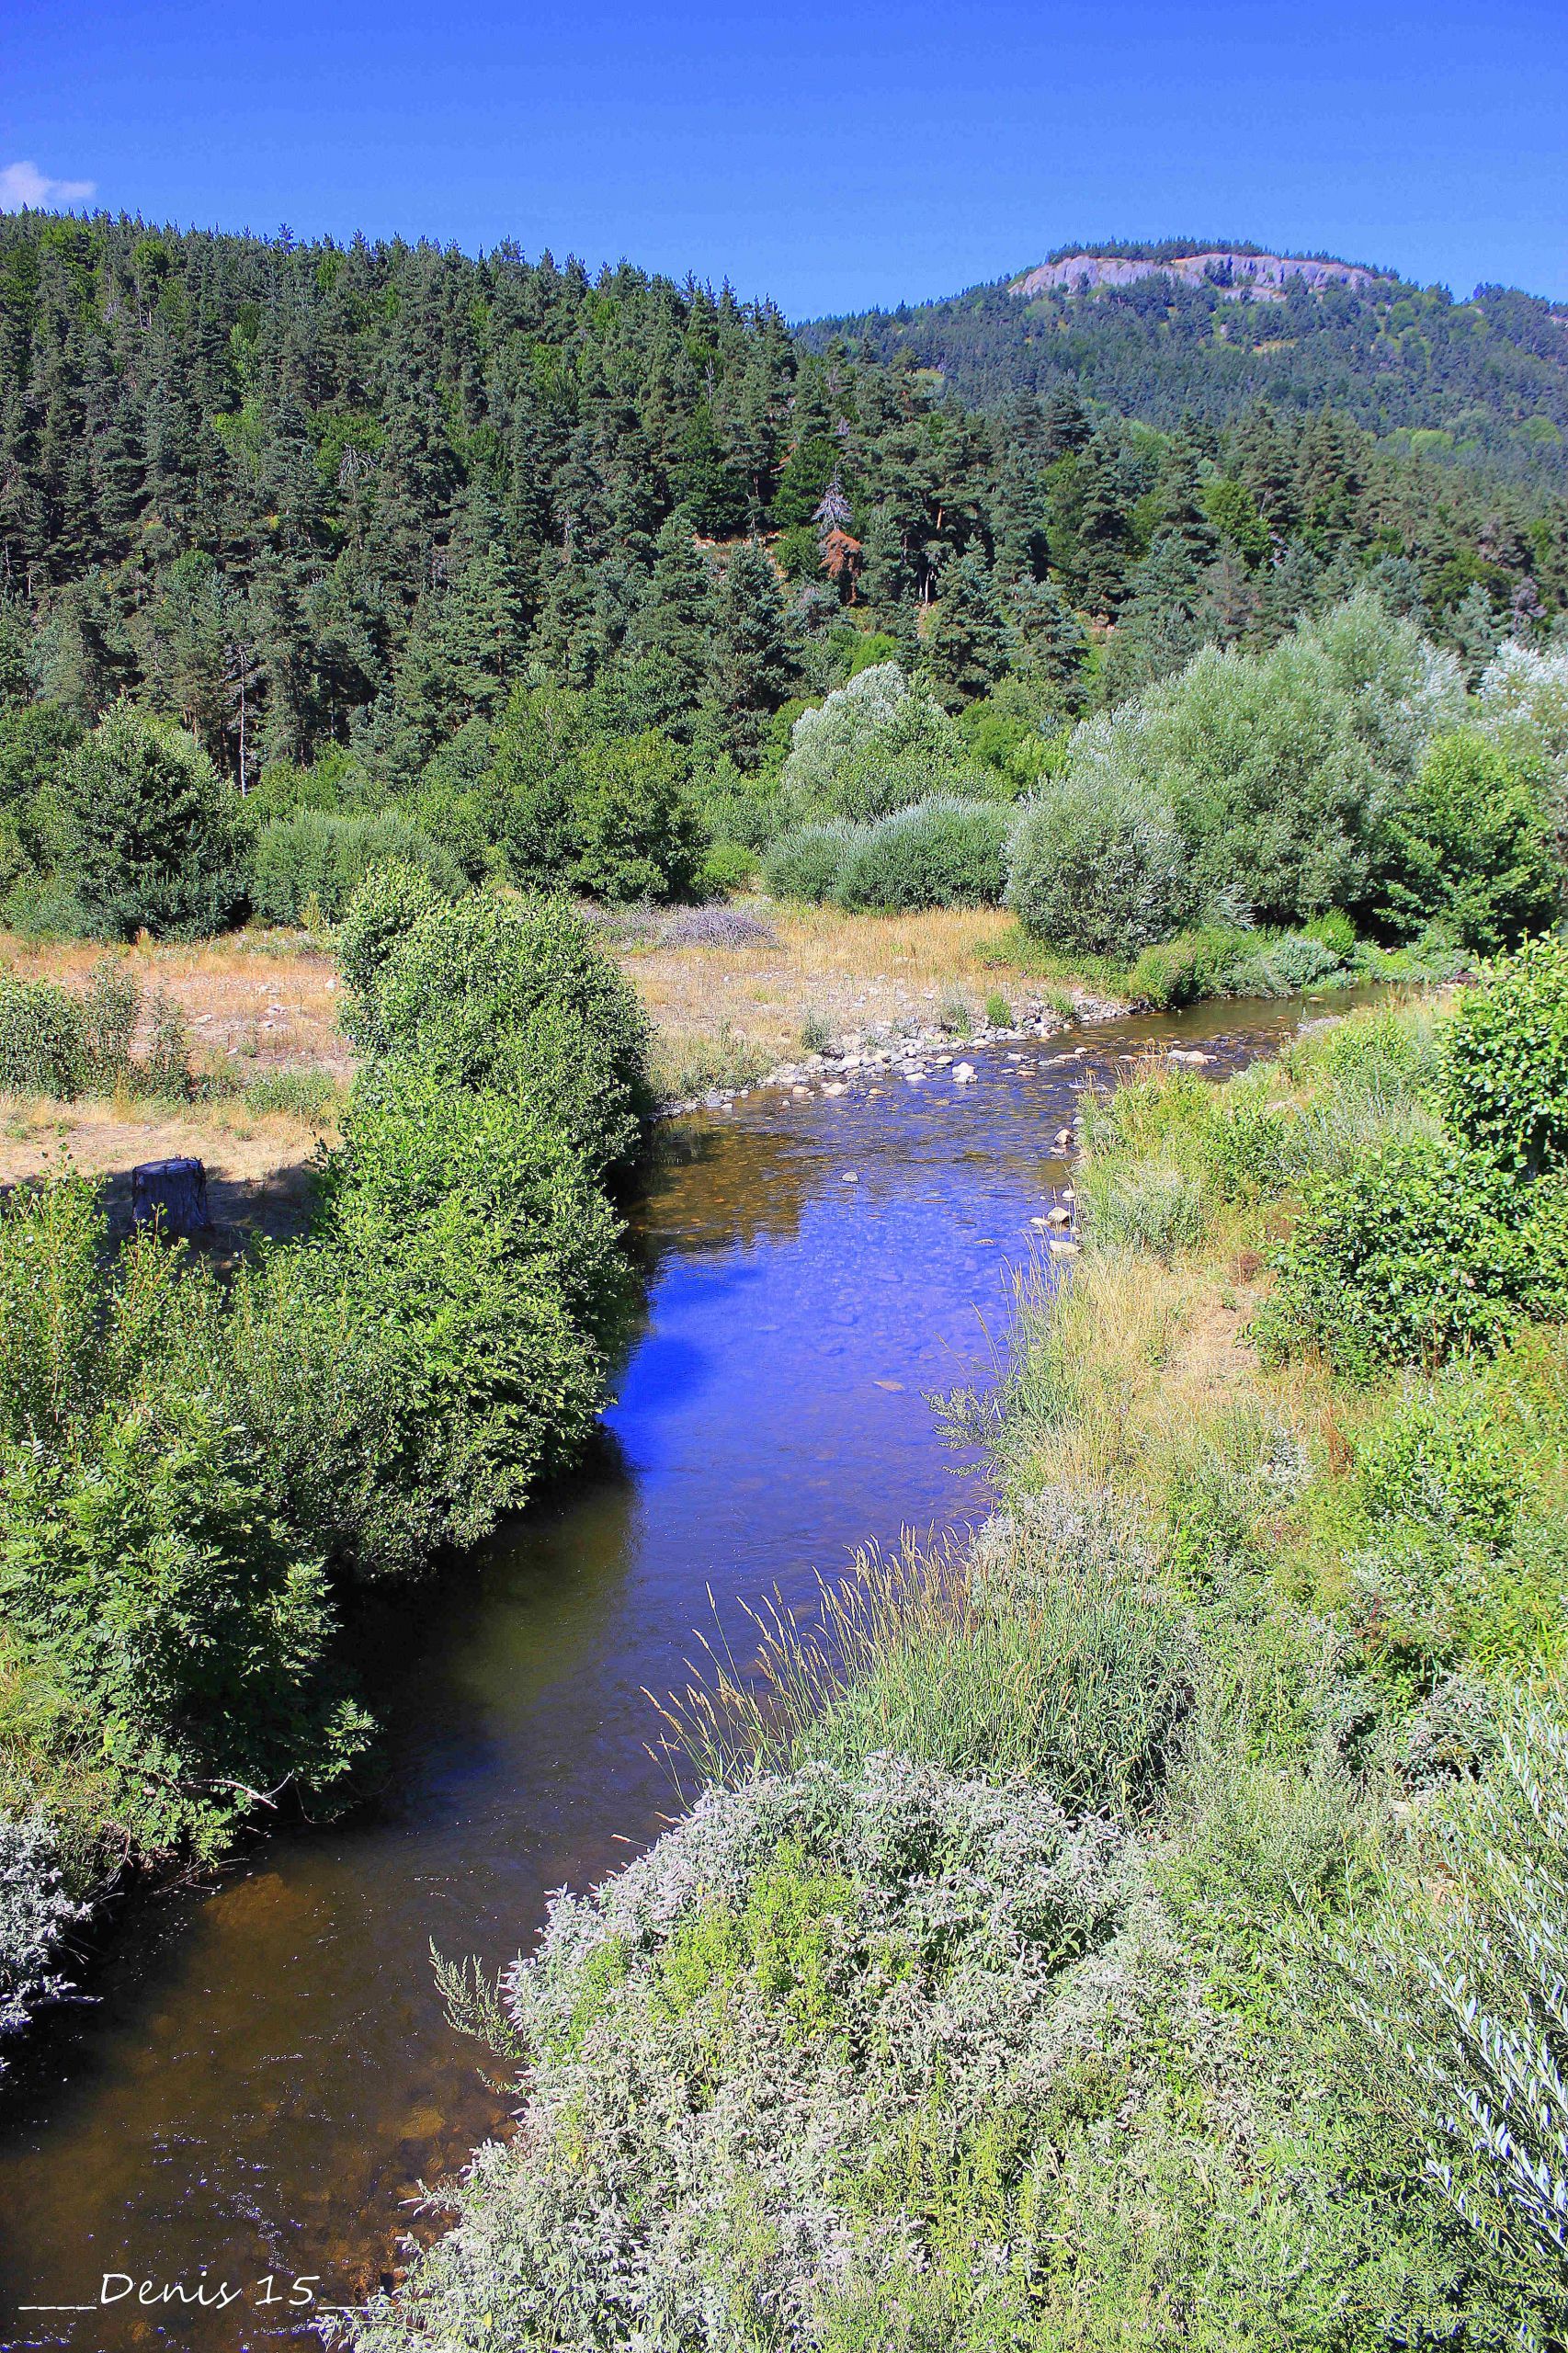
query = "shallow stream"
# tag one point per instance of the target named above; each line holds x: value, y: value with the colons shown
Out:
x: 264, y: 2075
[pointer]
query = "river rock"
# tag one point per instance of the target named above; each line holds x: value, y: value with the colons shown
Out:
x: 965, y: 1075
x: 1062, y: 1249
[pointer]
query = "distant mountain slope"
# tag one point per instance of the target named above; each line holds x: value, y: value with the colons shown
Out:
x: 1203, y: 327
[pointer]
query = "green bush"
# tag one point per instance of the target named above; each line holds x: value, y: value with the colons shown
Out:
x: 1097, y: 872
x: 1283, y: 966
x: 1188, y: 968
x: 1504, y: 1063
x: 474, y: 1244
x: 941, y: 853
x: 157, y: 1584
x: 1467, y: 849
x: 877, y: 744
x: 635, y: 831
x: 1142, y: 1207
x: 319, y: 859
x: 42, y: 1042
x: 148, y: 839
x: 805, y: 864
x: 510, y: 996
x: 1416, y: 1254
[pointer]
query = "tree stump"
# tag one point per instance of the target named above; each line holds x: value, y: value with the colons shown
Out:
x: 170, y: 1196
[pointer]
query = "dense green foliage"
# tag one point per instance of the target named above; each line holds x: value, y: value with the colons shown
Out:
x: 545, y: 569
x: 193, y: 1472
x: 503, y: 996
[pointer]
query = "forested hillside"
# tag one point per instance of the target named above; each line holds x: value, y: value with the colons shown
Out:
x: 1483, y: 381
x: 312, y: 500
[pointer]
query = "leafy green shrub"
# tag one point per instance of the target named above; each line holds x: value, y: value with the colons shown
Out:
x: 157, y: 1584
x: 805, y: 864
x: 1504, y: 1062
x: 109, y: 1009
x: 508, y: 996
x: 1412, y: 1255
x: 726, y: 866
x: 148, y: 840
x: 321, y: 858
x: 635, y: 831
x: 1097, y: 871
x: 41, y: 1047
x: 1192, y: 966
x: 942, y: 853
x: 474, y: 1241
x: 1467, y: 848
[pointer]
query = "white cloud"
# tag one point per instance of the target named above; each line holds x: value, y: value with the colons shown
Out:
x: 23, y: 184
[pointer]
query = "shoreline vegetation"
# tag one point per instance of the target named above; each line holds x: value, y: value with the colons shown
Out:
x: 1143, y: 1927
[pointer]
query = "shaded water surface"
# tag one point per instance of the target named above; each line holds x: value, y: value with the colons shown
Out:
x: 266, y: 2076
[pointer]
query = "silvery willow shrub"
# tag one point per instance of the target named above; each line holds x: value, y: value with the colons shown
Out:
x: 1461, y: 1998
x: 765, y: 2057
x: 942, y: 853
x: 1096, y: 865
x: 1402, y: 689
x: 1261, y: 762
x: 877, y: 744
x: 1281, y: 966
x: 36, y: 1916
x: 147, y: 831
x: 486, y: 1264
x: 1523, y: 697
x: 509, y: 995
x: 805, y: 864
x: 321, y: 857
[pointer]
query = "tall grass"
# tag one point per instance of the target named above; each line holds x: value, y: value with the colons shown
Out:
x: 1048, y: 1648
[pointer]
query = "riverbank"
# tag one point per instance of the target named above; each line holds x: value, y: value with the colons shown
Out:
x: 737, y: 999
x: 1060, y: 1955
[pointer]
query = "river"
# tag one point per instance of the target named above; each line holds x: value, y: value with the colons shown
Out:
x: 264, y: 2075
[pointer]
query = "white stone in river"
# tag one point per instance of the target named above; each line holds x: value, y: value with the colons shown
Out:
x: 1062, y: 1249
x: 850, y: 1177
x: 964, y: 1075
x: 1059, y: 1216
x: 837, y: 1088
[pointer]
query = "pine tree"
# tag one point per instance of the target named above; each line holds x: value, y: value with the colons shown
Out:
x: 970, y: 640
x: 751, y: 668
x: 1054, y: 642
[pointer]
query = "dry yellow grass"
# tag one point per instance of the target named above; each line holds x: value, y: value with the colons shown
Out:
x: 260, y: 998
x: 736, y: 1012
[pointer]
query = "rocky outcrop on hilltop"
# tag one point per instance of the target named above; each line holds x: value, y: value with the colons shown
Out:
x: 1262, y: 275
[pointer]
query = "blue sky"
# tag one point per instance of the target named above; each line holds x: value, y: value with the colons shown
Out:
x: 832, y: 157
